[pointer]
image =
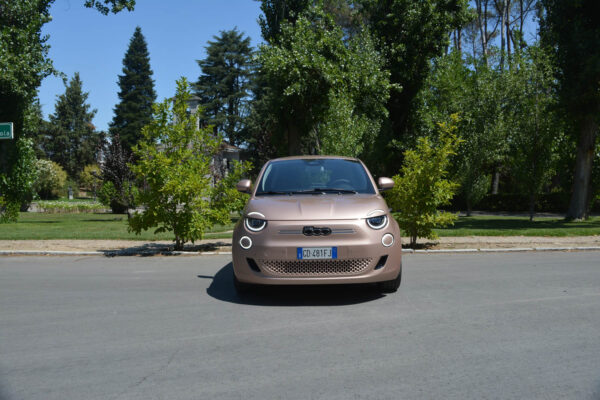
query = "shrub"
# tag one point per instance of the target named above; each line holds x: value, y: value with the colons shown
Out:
x: 119, y: 201
x: 90, y: 178
x: 118, y: 178
x: 16, y: 187
x: 422, y: 187
x: 51, y: 179
x: 225, y: 193
x: 178, y: 196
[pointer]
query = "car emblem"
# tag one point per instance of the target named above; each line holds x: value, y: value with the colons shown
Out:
x: 316, y: 231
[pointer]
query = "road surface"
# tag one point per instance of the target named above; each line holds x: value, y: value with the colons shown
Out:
x: 462, y: 326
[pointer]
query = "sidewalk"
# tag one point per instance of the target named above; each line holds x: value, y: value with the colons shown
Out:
x: 223, y: 246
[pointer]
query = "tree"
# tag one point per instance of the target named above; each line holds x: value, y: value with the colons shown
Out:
x: 571, y: 28
x: 51, y: 179
x: 410, y: 34
x: 24, y: 60
x: 534, y: 122
x: 114, y: 6
x: 480, y: 97
x: 224, y: 84
x: 323, y: 95
x: 422, y: 186
x: 174, y: 161
x: 73, y: 141
x: 118, y: 188
x: 24, y: 63
x: 276, y: 12
x: 90, y: 178
x: 16, y: 186
x: 136, y: 94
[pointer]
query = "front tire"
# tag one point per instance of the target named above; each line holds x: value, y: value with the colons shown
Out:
x: 391, y: 286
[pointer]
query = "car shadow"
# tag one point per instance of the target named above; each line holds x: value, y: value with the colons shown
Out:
x: 221, y: 288
x: 152, y: 249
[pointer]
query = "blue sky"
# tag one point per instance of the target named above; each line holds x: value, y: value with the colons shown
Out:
x: 85, y: 41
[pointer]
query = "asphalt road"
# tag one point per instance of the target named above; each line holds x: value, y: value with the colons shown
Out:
x: 482, y: 326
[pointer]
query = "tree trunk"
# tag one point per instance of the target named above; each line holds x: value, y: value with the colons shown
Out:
x: 507, y: 25
x: 500, y: 7
x: 469, y: 207
x: 178, y: 244
x: 531, y: 206
x: 580, y: 198
x: 482, y: 22
x: 496, y: 181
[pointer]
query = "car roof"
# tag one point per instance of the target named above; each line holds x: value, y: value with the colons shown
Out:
x: 315, y: 158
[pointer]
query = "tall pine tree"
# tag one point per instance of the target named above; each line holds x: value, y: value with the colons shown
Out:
x: 72, y: 140
x: 224, y: 84
x: 136, y: 94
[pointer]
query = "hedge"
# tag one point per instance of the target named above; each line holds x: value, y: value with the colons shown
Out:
x: 510, y: 202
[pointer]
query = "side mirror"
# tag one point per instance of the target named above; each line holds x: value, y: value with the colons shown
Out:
x: 244, y: 186
x: 385, y: 183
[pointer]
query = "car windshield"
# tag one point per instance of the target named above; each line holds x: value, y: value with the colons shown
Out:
x: 315, y: 176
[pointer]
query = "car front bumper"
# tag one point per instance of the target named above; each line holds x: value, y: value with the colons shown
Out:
x: 361, y: 256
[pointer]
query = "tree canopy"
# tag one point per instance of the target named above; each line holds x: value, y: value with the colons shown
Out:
x: 323, y: 95
x: 72, y: 140
x: 223, y: 87
x: 136, y: 93
x: 410, y: 34
x: 572, y: 29
x: 175, y: 160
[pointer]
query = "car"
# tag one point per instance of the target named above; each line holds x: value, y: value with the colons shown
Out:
x: 313, y: 220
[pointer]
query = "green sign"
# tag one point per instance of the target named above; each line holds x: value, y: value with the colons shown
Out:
x: 6, y: 130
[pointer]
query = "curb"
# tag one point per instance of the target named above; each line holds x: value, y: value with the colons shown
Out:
x: 112, y: 253
x: 116, y: 253
x: 504, y: 250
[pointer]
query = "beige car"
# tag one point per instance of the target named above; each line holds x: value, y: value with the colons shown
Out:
x: 316, y: 220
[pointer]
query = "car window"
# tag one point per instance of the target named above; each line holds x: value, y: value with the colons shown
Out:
x: 294, y: 176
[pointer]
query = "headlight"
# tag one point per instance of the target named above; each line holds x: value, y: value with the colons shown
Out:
x: 255, y: 224
x: 377, y: 222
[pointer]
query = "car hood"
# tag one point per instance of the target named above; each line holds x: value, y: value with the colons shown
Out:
x: 315, y: 207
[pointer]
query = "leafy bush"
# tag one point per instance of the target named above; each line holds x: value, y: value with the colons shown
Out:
x: 90, y: 178
x: 51, y: 179
x: 422, y: 187
x: 556, y: 202
x: 178, y: 195
x: 118, y: 200
x: 225, y: 193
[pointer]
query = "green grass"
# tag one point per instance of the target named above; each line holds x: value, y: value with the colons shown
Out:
x: 86, y: 226
x: 520, y: 226
x: 110, y: 226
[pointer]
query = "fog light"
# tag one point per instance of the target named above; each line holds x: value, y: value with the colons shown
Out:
x: 387, y: 240
x: 245, y: 242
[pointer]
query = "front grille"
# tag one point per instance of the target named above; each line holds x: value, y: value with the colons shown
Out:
x: 353, y: 266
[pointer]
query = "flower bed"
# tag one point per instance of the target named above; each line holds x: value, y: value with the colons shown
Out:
x: 61, y: 206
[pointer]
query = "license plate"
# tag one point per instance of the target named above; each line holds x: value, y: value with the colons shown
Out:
x: 316, y: 253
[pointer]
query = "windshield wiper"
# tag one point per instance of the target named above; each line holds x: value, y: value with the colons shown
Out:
x: 325, y: 190
x: 271, y: 192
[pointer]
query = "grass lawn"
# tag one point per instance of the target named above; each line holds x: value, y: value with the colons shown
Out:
x: 111, y: 226
x: 520, y: 226
x: 86, y: 226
